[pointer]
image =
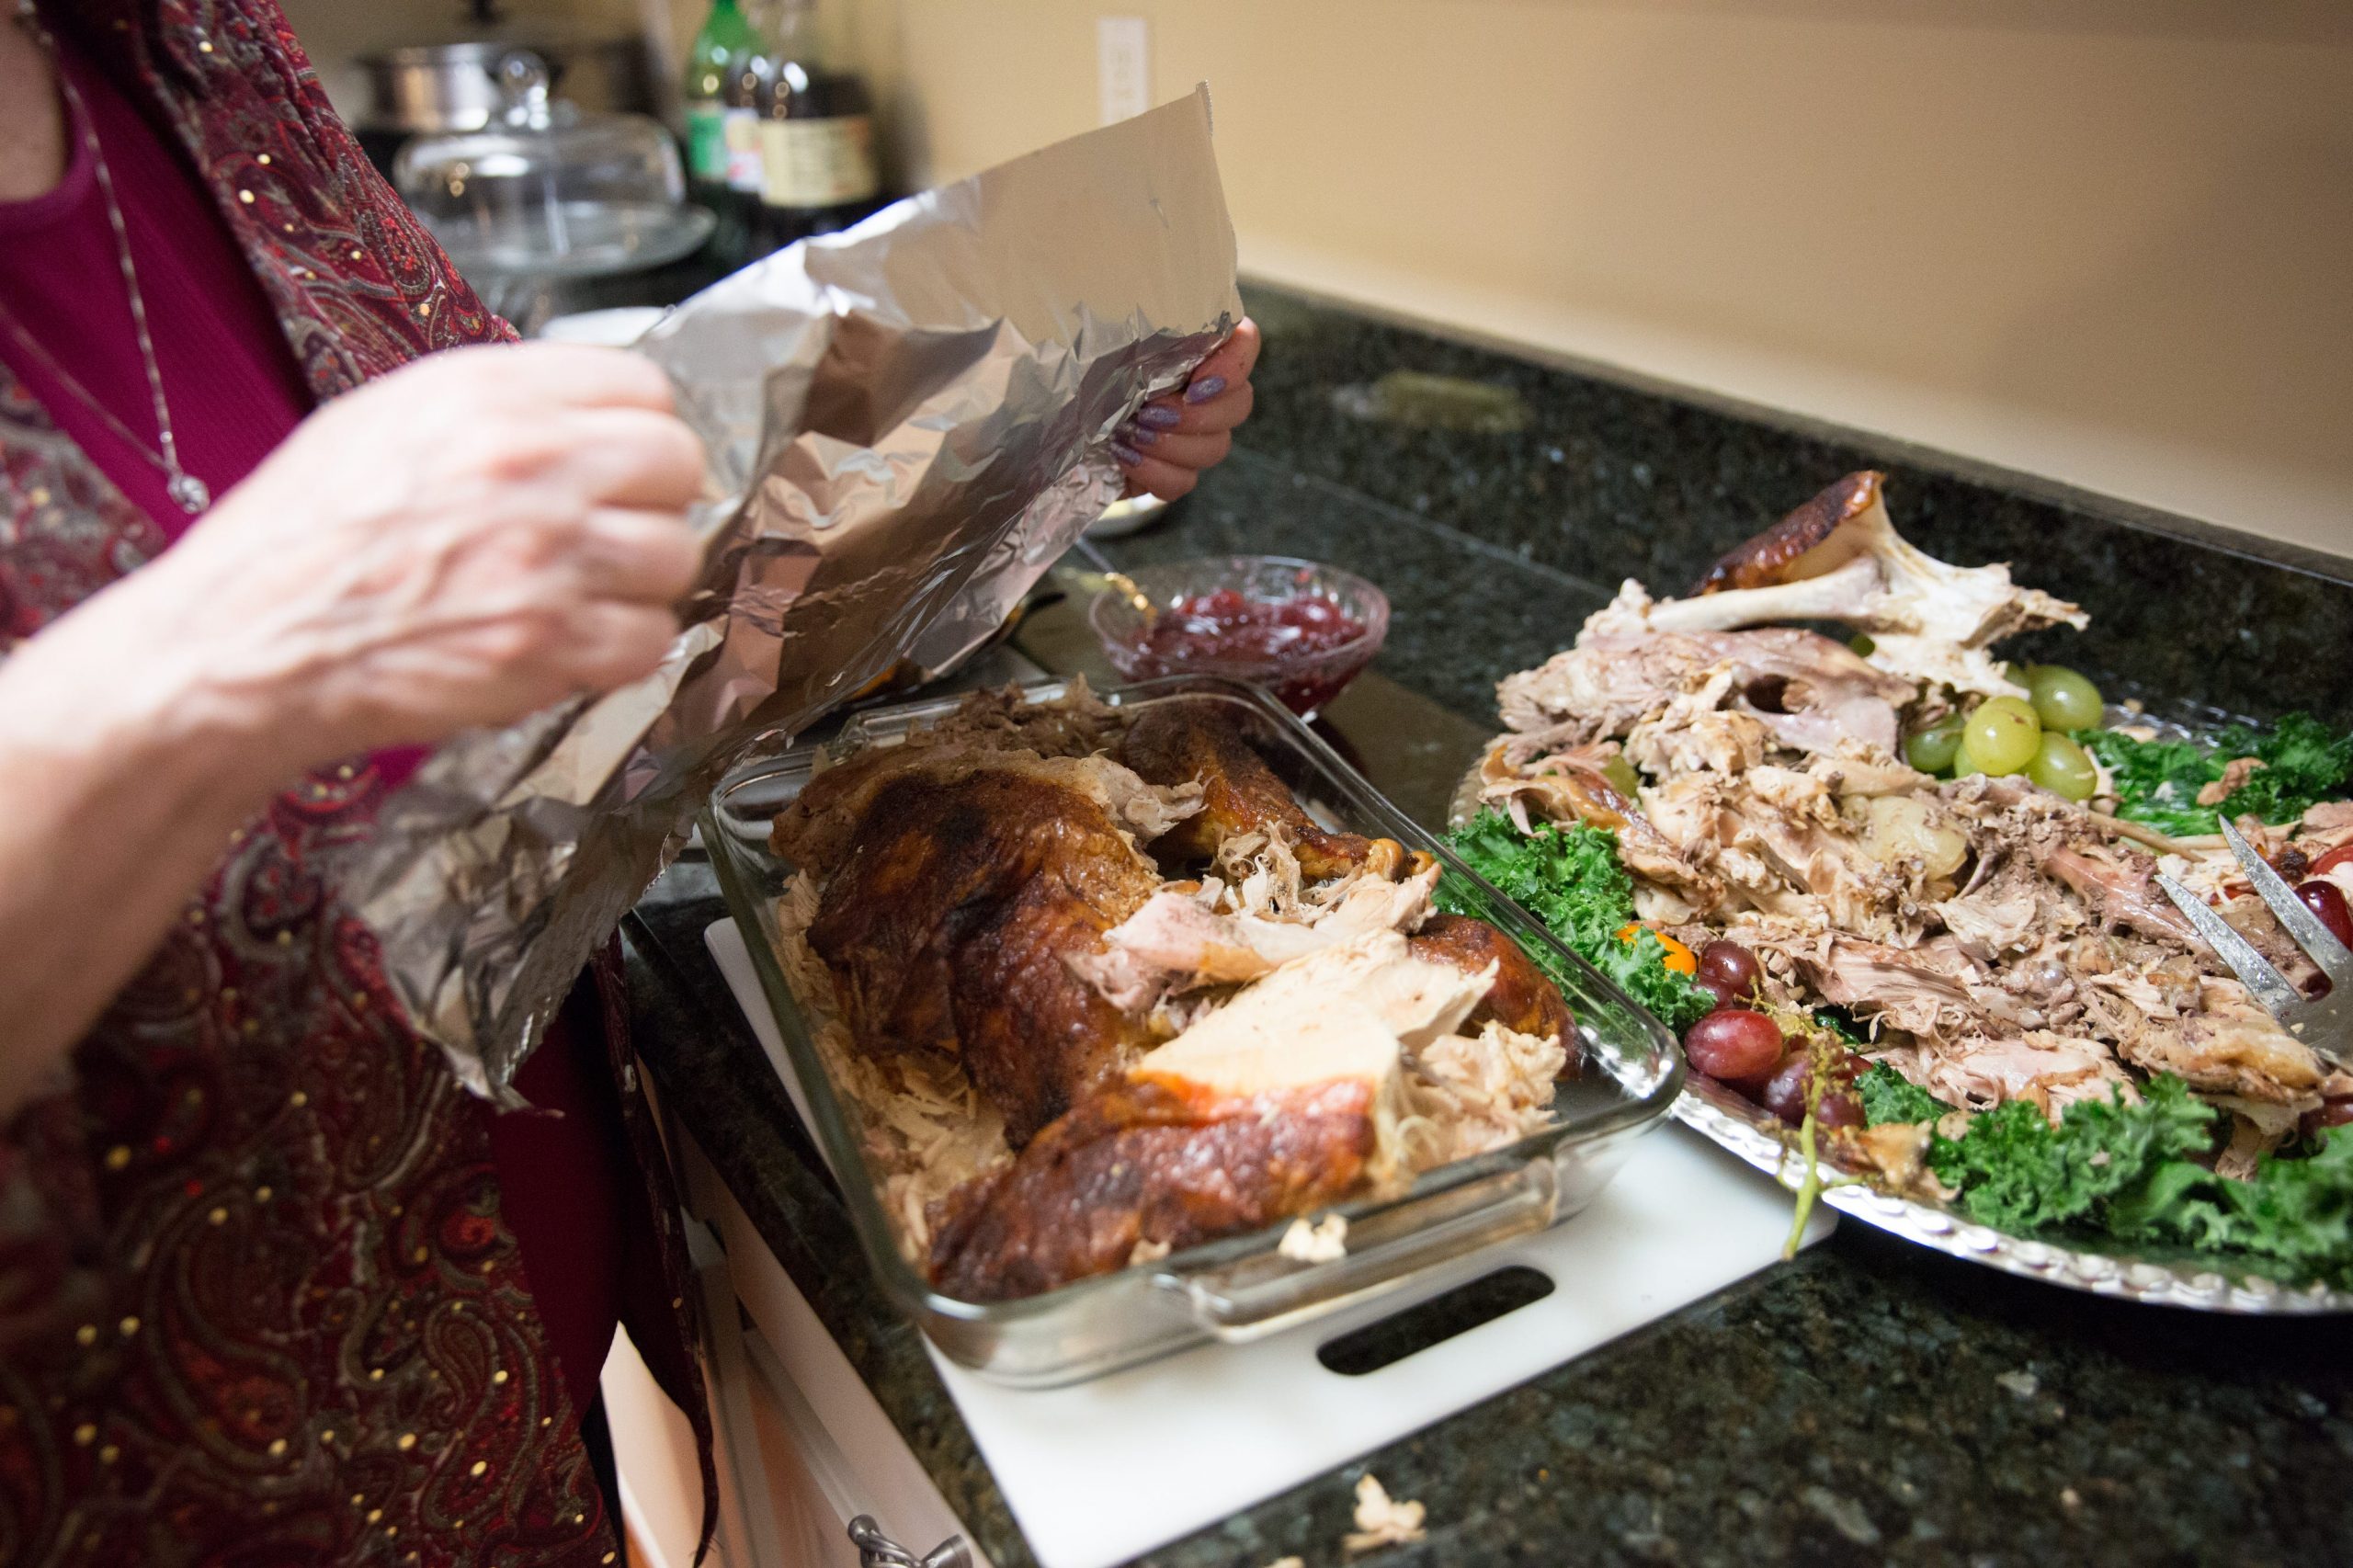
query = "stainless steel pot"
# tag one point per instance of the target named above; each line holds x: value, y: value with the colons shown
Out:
x: 454, y: 86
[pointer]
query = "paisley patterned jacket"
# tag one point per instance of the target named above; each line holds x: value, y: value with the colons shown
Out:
x: 256, y: 1300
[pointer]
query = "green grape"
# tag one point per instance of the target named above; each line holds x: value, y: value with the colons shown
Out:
x: 2064, y: 767
x: 1932, y: 750
x: 1861, y: 643
x: 2063, y: 700
x: 1621, y: 776
x: 2002, y: 734
x: 1964, y: 765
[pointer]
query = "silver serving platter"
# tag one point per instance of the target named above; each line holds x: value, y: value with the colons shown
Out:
x: 2196, y: 1282
x: 2201, y: 1285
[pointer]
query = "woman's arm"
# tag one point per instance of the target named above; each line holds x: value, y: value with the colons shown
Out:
x: 457, y: 544
x: 116, y: 800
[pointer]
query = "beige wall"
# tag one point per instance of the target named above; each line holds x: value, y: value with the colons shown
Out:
x: 2110, y: 241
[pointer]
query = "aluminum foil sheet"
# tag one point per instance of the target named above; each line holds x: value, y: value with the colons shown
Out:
x: 907, y: 424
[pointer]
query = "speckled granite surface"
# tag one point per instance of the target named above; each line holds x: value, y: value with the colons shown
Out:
x: 1868, y: 1404
x: 1605, y: 481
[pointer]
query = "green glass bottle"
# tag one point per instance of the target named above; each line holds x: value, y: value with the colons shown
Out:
x: 726, y: 36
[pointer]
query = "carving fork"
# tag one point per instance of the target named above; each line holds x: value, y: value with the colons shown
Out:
x: 2325, y: 1024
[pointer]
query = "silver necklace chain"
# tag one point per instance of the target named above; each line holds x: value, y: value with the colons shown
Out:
x: 188, y: 493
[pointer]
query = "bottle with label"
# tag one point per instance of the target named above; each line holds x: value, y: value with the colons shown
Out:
x: 749, y: 79
x: 816, y: 137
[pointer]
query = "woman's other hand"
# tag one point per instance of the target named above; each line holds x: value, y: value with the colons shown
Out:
x: 1173, y: 438
x: 459, y: 543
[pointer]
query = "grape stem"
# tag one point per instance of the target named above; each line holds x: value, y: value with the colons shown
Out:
x: 2140, y: 834
x: 1810, y: 1186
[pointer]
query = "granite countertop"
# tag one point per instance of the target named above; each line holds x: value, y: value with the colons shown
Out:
x: 1867, y: 1402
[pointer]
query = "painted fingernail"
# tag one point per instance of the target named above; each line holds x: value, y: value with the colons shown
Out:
x: 1139, y: 435
x: 1159, y: 417
x: 1127, y: 455
x: 1205, y: 389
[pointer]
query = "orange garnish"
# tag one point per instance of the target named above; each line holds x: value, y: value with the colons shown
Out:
x: 1680, y: 959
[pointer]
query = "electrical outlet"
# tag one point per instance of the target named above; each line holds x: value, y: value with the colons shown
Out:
x: 1122, y: 66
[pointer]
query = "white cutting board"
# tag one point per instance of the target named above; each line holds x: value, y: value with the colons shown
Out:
x: 1098, y: 1473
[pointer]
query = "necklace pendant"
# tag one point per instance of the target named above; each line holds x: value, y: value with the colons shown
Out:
x: 191, y: 493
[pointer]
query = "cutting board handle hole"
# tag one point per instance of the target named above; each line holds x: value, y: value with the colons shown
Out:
x: 1434, y: 1322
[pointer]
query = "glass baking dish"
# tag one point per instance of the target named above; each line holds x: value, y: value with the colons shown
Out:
x: 1239, y: 1288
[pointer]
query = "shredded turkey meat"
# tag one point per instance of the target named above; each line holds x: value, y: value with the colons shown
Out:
x: 1997, y: 942
x: 1800, y: 687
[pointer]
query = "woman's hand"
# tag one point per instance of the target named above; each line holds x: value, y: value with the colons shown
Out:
x: 459, y: 543
x: 1173, y: 438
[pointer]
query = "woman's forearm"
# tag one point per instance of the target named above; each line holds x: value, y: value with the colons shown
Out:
x: 119, y: 791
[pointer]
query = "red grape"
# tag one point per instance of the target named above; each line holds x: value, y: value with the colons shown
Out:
x: 1784, y: 1093
x: 1734, y: 1044
x: 2340, y: 855
x: 1734, y: 965
x: 1836, y: 1109
x: 2332, y: 1113
x: 1724, y: 995
x: 2324, y: 899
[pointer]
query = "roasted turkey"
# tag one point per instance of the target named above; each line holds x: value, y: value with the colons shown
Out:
x: 1179, y: 743
x: 1147, y: 1165
x: 1067, y: 1062
x: 1519, y: 997
x: 946, y: 920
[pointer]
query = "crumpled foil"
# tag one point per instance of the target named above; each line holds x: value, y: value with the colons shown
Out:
x: 907, y: 424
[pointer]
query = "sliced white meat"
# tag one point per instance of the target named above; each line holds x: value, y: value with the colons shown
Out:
x: 1349, y: 1013
x: 1176, y: 940
x: 1411, y: 1000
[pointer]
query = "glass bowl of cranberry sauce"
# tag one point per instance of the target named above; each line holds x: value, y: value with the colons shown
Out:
x: 1301, y: 630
